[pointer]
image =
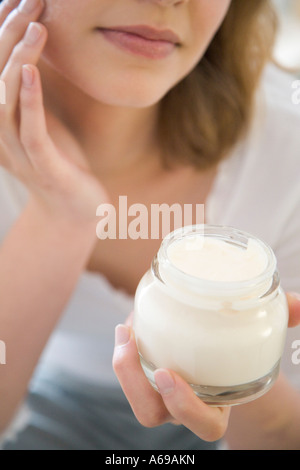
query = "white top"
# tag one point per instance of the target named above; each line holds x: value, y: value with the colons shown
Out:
x: 257, y: 190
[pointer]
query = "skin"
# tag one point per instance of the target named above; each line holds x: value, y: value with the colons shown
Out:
x: 78, y: 93
x: 77, y: 51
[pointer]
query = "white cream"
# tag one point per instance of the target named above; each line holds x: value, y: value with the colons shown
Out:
x: 216, y: 260
x: 206, y: 339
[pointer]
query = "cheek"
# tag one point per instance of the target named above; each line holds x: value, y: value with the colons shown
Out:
x: 60, y: 14
x: 53, y: 10
x: 212, y: 11
x: 206, y: 19
x: 63, y: 28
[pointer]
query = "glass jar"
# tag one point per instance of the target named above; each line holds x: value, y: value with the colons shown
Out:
x: 225, y: 338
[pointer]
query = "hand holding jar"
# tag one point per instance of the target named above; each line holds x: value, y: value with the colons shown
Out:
x: 224, y: 334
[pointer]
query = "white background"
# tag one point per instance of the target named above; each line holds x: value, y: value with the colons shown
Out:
x: 287, y: 49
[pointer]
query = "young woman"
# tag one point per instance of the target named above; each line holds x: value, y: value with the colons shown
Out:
x: 162, y: 101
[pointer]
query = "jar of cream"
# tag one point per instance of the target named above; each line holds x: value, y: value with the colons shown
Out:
x: 211, y: 309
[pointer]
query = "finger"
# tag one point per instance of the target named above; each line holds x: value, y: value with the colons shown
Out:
x: 294, y: 309
x: 6, y: 7
x: 15, y: 25
x: 33, y: 127
x: 145, y: 402
x: 208, y: 423
x: 27, y: 51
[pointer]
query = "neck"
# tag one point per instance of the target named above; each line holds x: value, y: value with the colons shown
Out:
x: 115, y: 140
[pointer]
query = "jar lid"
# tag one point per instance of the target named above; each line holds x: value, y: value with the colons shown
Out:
x: 176, y: 263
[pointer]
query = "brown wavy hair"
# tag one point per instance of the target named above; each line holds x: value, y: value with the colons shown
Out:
x: 205, y: 115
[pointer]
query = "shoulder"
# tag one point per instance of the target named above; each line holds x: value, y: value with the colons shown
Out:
x: 274, y: 139
x: 281, y: 88
x: 279, y: 96
x: 265, y: 167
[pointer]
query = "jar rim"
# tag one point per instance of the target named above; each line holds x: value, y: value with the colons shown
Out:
x: 261, y: 282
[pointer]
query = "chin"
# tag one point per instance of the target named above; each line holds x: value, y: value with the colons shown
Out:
x: 131, y: 96
x: 134, y: 91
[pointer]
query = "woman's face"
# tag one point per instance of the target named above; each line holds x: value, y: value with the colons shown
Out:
x: 89, y: 46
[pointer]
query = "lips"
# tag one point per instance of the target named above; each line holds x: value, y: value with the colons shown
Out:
x: 142, y: 40
x: 147, y: 32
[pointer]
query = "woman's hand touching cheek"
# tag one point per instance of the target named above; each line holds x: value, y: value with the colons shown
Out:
x: 57, y: 176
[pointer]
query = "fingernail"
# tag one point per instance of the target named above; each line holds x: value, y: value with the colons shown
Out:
x: 122, y: 335
x: 164, y: 381
x: 28, y: 6
x: 27, y: 76
x: 33, y: 34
